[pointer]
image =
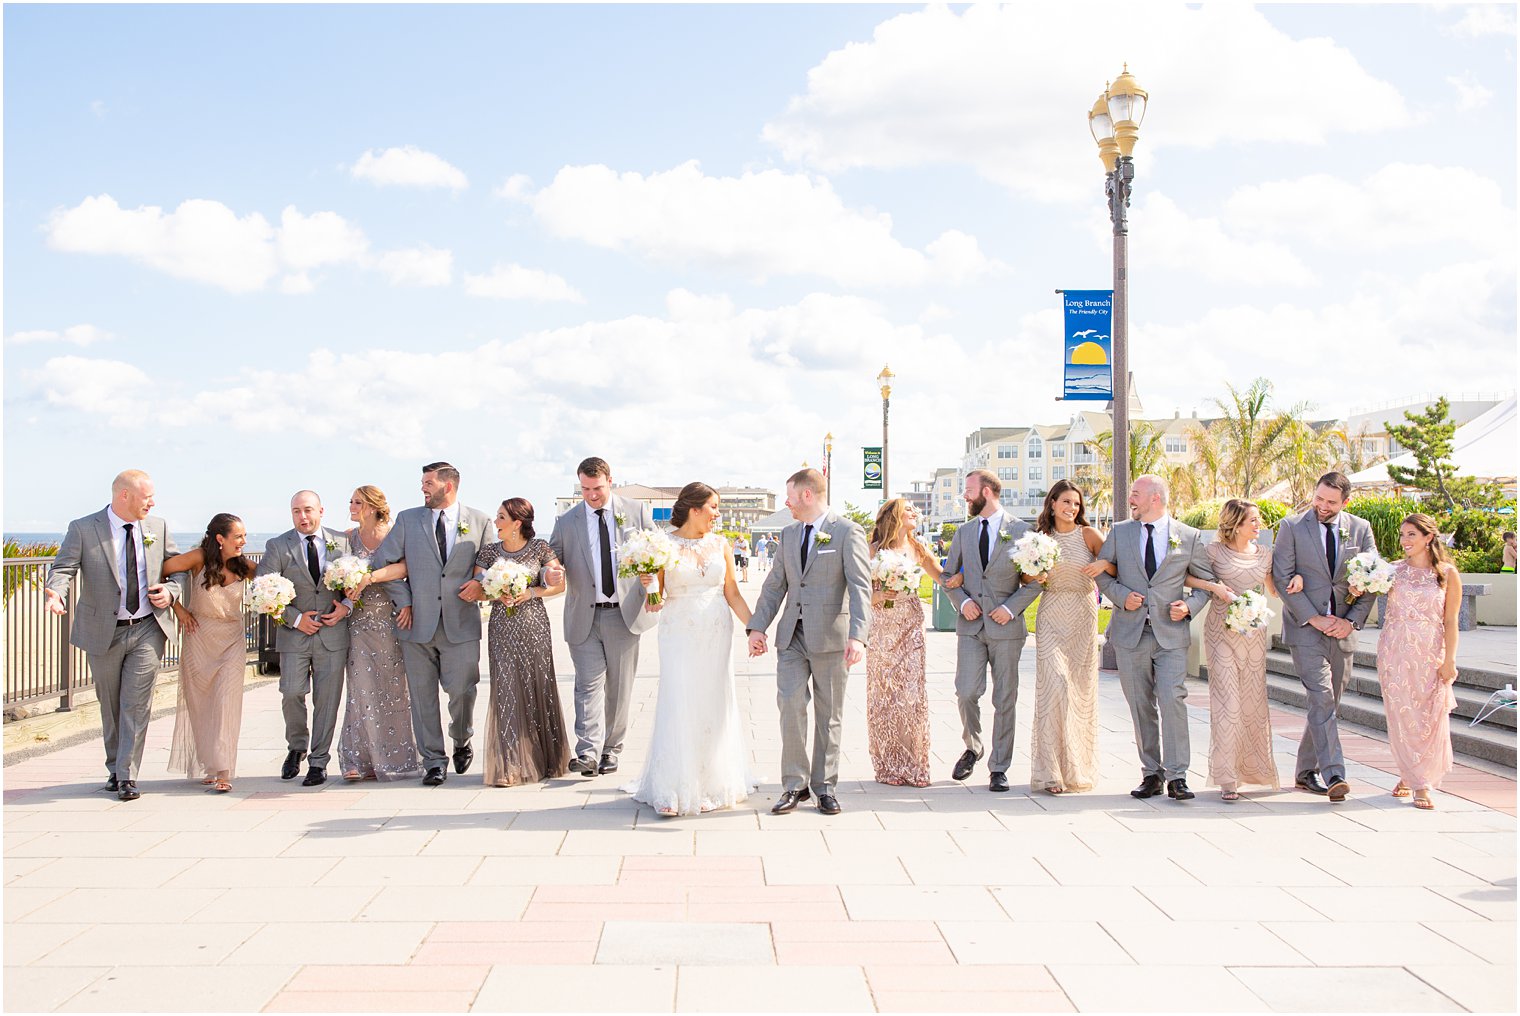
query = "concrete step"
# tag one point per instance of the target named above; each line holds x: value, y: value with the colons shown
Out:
x: 1485, y: 741
x: 1488, y: 681
x: 1364, y: 681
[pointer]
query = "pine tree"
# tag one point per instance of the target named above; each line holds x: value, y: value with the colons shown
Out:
x: 1428, y: 437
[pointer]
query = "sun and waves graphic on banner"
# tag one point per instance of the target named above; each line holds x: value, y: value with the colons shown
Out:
x: 1088, y: 372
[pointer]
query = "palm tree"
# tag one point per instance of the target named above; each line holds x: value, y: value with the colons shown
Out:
x: 1252, y: 439
x: 1351, y: 455
x: 1307, y: 453
x: 1208, y: 461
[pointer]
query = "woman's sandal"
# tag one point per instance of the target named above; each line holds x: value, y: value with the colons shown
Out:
x: 1400, y: 790
x: 221, y: 785
x: 208, y: 781
x: 1424, y: 803
x: 1229, y: 796
x: 1054, y: 791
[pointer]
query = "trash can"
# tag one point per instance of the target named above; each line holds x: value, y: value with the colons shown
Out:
x: 944, y: 610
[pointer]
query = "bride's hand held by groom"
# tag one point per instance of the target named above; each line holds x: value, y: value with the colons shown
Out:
x: 757, y: 643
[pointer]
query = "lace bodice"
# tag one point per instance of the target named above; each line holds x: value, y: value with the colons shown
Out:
x: 701, y: 565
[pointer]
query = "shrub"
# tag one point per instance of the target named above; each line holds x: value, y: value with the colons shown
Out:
x: 1478, y: 562
x: 1204, y: 514
x: 1473, y: 529
x: 26, y: 575
x: 1384, y: 514
x: 1272, y: 512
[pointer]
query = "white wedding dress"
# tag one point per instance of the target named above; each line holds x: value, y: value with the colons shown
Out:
x: 696, y: 756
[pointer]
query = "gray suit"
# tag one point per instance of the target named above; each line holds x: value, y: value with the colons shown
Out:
x: 308, y: 662
x: 1321, y: 661
x: 984, y: 644
x: 821, y: 607
x: 442, y: 647
x: 123, y: 659
x: 1150, y: 647
x: 604, y: 644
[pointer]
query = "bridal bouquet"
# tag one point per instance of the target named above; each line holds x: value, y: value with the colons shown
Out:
x: 1368, y: 573
x: 507, y: 578
x: 271, y: 594
x: 1035, y: 553
x: 645, y: 552
x: 1247, y: 612
x: 344, y: 574
x: 895, y: 572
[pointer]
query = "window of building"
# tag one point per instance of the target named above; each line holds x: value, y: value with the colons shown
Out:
x: 1008, y: 451
x: 1036, y: 448
x: 1058, y: 472
x: 1007, y: 475
x: 1036, y: 474
x: 1058, y: 451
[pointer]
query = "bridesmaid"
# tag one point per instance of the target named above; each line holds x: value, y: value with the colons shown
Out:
x: 1240, y: 724
x: 897, y: 700
x: 215, y: 654
x: 1417, y: 659
x: 1064, y: 750
x: 525, y: 739
x: 376, y: 742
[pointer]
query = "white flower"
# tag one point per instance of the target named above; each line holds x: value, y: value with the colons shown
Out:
x: 149, y: 539
x: 620, y: 519
x: 895, y: 572
x: 344, y: 573
x: 332, y: 546
x: 507, y: 578
x: 645, y: 552
x: 1345, y: 531
x: 1004, y: 536
x: 1035, y: 553
x: 271, y: 594
x: 1174, y: 541
x: 820, y: 538
x: 1247, y: 612
x: 463, y: 529
x: 1368, y: 573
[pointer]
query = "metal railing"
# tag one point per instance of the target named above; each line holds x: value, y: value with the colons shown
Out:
x: 39, y: 662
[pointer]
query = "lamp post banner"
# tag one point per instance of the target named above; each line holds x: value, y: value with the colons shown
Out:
x: 1088, y: 346
x: 872, y: 471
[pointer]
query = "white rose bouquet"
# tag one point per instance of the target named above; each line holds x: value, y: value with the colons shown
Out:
x: 507, y: 578
x: 344, y: 574
x: 1247, y: 612
x: 271, y: 594
x: 895, y: 572
x: 646, y: 552
x: 1034, y: 553
x: 1368, y: 573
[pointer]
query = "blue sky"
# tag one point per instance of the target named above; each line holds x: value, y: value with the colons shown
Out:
x: 254, y: 249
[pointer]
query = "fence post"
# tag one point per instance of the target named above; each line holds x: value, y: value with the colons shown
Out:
x: 66, y: 654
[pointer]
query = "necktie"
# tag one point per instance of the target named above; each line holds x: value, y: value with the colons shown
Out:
x: 1329, y: 548
x: 1150, y: 550
x: 981, y: 545
x: 442, y: 536
x: 313, y: 563
x: 129, y: 580
x: 604, y: 542
x: 807, y: 541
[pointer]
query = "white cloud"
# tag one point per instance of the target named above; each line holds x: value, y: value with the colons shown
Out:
x: 323, y: 238
x: 514, y: 282
x: 1484, y: 19
x: 762, y: 224
x: 417, y: 266
x: 987, y: 88
x: 1470, y: 92
x: 408, y: 166
x: 111, y: 388
x: 1168, y: 237
x: 79, y: 335
x: 514, y: 188
x: 1399, y: 206
x: 98, y: 107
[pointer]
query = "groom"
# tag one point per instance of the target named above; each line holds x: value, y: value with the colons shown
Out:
x: 437, y: 620
x: 604, y: 615
x: 825, y: 582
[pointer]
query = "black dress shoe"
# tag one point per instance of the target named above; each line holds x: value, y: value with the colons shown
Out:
x: 998, y: 784
x: 1149, y: 787
x: 964, y: 765
x: 1177, y: 790
x: 127, y: 790
x: 292, y: 767
x: 1312, y: 783
x: 111, y: 785
x: 463, y: 756
x: 314, y: 776
x: 585, y: 766
x: 789, y: 800
x: 609, y: 764
x: 828, y: 804
x: 1338, y: 789
x: 435, y: 776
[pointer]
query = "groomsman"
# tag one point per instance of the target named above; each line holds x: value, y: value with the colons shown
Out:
x: 122, y: 620
x: 820, y: 589
x: 1154, y: 554
x: 1321, y: 623
x: 990, y: 629
x: 313, y: 641
x: 604, y: 615
x: 437, y: 620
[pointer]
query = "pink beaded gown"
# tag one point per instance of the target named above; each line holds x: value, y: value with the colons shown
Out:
x: 1411, y: 648
x: 897, y: 698
x: 1240, y: 720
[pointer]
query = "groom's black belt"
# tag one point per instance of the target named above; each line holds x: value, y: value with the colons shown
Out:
x: 128, y: 622
x: 604, y: 606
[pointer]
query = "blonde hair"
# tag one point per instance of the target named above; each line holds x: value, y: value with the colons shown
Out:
x: 891, y: 523
x: 1232, y: 516
x: 375, y: 498
x: 1439, y: 554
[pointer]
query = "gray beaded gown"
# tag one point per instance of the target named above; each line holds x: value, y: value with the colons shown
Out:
x: 377, y: 741
x: 525, y: 738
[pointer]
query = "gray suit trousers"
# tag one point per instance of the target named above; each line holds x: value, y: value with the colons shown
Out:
x: 801, y: 676
x: 124, y: 676
x: 319, y: 670
x: 605, y: 665
x: 973, y: 655
x: 1322, y: 668
x: 1155, y: 681
x: 453, y: 666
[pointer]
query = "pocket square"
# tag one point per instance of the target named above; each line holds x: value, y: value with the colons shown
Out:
x: 821, y: 552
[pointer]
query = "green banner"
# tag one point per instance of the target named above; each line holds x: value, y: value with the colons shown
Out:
x: 872, y: 468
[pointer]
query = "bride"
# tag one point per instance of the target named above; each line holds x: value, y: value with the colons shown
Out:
x: 696, y: 757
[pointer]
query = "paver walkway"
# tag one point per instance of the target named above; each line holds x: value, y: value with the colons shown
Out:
x: 568, y: 897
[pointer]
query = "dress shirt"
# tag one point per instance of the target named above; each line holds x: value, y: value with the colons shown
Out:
x: 119, y: 547
x: 1160, y: 537
x: 450, y: 525
x: 594, y: 541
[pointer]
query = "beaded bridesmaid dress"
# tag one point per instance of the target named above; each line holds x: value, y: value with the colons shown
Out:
x: 1411, y: 648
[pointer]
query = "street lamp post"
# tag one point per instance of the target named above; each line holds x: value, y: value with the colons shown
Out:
x: 884, y: 379
x: 828, y: 468
x: 1115, y: 124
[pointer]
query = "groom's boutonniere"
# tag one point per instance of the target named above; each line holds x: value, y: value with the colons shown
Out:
x: 149, y: 539
x: 820, y: 538
x: 620, y: 519
x: 463, y: 529
x: 1004, y: 536
x: 1174, y: 541
x: 1345, y: 531
x: 332, y: 545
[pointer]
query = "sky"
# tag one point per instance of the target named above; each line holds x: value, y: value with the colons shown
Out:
x: 255, y: 249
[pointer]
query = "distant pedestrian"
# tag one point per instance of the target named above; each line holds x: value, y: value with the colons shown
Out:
x: 741, y: 557
x: 1509, y: 553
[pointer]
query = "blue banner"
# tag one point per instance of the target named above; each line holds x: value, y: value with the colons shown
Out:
x: 1088, y: 348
